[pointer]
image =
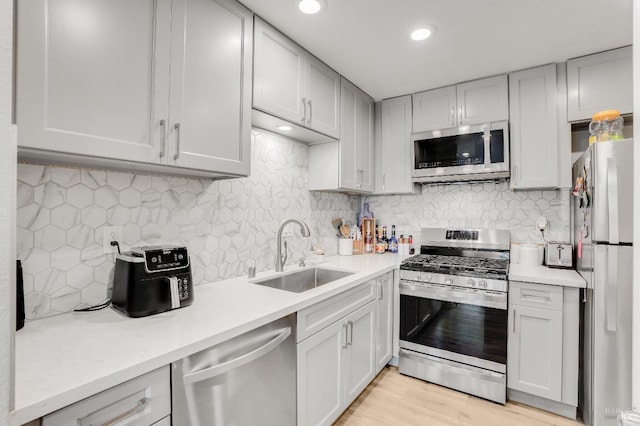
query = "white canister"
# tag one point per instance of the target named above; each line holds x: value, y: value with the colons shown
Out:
x: 345, y: 246
x: 530, y: 255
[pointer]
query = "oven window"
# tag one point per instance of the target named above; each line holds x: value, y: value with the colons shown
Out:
x: 470, y: 330
x: 459, y: 150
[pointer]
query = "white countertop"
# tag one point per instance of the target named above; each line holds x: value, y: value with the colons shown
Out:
x: 64, y: 359
x: 544, y: 275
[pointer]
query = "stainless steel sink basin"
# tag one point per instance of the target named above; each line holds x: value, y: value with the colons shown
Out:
x: 303, y: 280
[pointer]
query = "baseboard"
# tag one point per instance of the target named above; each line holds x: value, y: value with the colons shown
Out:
x: 555, y: 407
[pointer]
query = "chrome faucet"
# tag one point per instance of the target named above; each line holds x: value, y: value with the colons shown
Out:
x: 282, y: 258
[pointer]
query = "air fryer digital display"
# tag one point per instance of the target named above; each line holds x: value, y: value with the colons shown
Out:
x: 166, y: 259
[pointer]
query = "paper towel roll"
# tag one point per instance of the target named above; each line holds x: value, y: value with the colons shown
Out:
x: 529, y: 255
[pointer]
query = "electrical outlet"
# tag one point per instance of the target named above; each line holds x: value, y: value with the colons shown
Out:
x: 111, y: 233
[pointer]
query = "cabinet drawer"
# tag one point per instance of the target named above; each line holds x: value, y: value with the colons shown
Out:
x: 536, y: 295
x: 316, y: 317
x: 142, y: 401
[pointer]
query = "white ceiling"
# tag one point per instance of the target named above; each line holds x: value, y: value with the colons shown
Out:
x: 367, y: 41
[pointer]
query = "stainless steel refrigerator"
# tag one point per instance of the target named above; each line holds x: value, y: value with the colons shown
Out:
x: 602, y: 236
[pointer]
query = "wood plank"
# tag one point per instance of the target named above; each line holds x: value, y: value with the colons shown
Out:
x: 394, y: 399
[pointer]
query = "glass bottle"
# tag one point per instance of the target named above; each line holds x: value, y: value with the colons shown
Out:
x: 411, y: 249
x: 379, y: 242
x: 368, y: 239
x: 393, y: 241
x: 384, y: 237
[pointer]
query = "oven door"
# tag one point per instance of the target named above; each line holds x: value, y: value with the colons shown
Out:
x: 468, y: 326
x: 462, y: 153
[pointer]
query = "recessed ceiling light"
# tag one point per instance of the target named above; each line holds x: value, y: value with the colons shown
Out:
x: 423, y: 33
x: 284, y: 127
x: 311, y: 6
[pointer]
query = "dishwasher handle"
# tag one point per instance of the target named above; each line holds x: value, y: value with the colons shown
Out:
x: 219, y: 369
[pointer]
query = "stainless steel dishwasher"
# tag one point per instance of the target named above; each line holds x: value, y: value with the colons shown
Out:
x: 247, y: 380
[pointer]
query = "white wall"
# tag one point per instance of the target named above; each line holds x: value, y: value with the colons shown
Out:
x: 636, y: 212
x: 7, y: 227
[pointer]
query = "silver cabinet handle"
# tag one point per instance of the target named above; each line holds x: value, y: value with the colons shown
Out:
x: 163, y: 137
x: 384, y: 179
x: 346, y: 339
x: 310, y: 112
x: 514, y: 178
x: 219, y: 369
x: 141, y: 405
x: 304, y: 110
x: 350, y: 332
x: 380, y: 292
x: 453, y: 116
x: 177, y: 154
x: 514, y: 320
x: 460, y: 114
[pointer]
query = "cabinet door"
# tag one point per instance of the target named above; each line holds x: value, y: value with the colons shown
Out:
x: 93, y: 77
x: 279, y: 66
x: 320, y: 373
x: 599, y: 82
x: 210, y: 116
x: 322, y: 95
x: 360, y: 354
x: 364, y: 140
x: 393, y: 150
x: 534, y: 129
x: 350, y: 174
x: 434, y: 109
x: 384, y: 320
x: 534, y: 361
x: 485, y: 100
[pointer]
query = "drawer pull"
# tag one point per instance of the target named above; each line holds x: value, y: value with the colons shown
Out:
x: 350, y: 330
x: 141, y: 405
x: 536, y: 297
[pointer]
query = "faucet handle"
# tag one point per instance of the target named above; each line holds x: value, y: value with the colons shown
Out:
x: 301, y: 263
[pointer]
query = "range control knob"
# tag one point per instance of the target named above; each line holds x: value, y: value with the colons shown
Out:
x: 448, y: 280
x: 471, y: 282
x: 482, y: 283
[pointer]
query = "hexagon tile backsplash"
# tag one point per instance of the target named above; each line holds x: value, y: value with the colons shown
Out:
x: 227, y: 225
x: 477, y: 205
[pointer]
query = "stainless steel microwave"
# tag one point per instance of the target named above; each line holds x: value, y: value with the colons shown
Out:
x: 474, y: 152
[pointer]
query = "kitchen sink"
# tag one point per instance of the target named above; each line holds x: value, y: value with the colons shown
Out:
x: 303, y: 280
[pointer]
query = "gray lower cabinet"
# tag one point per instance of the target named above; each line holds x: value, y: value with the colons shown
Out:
x: 384, y: 320
x: 143, y: 401
x: 336, y: 362
x: 542, y: 363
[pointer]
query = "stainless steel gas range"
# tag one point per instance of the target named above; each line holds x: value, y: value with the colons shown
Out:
x: 453, y: 311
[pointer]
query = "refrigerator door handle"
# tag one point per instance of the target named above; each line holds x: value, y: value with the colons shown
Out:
x: 611, y: 291
x: 612, y: 198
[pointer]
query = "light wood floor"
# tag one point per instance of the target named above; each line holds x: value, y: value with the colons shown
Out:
x: 394, y: 399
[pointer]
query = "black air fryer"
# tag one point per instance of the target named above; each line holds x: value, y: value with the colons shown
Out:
x: 153, y: 279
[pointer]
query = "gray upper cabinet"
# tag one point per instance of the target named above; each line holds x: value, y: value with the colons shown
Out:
x: 347, y: 165
x: 210, y: 109
x: 599, y: 82
x: 135, y: 85
x: 472, y: 102
x: 393, y: 146
x: 534, y: 129
x: 292, y: 84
